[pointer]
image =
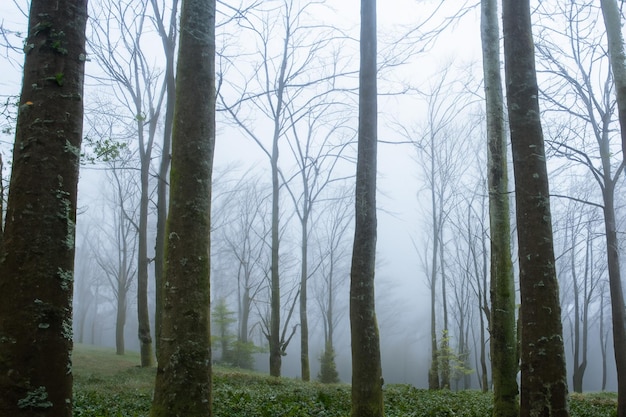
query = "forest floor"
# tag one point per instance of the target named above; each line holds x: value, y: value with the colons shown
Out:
x: 108, y: 385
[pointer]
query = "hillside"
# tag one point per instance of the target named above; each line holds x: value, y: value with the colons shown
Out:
x: 107, y: 385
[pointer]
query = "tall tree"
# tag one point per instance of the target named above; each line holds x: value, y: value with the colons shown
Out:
x: 612, y: 22
x: 589, y: 107
x: 367, y: 390
x: 183, y: 381
x: 504, y: 361
x: 37, y: 256
x: 283, y: 89
x: 618, y: 66
x: 168, y: 39
x: 140, y: 91
x: 544, y: 379
x: 316, y: 159
x: 115, y: 255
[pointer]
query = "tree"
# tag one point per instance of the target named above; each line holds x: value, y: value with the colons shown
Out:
x: 581, y: 278
x: 183, y: 381
x: 115, y: 255
x: 282, y: 90
x: 140, y: 90
x: 316, y: 159
x: 222, y: 319
x: 168, y: 39
x: 442, y: 165
x: 367, y: 393
x: 585, y: 140
x: 504, y: 361
x: 617, y: 56
x: 37, y: 256
x: 615, y: 40
x: 543, y: 380
x: 332, y: 230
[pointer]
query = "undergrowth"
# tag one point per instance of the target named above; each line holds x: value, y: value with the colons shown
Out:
x: 106, y: 385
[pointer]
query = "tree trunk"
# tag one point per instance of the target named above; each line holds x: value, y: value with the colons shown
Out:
x: 274, y: 333
x: 143, y: 314
x: 617, y: 296
x: 613, y: 24
x: 544, y: 379
x: 617, y: 56
x: 304, y: 323
x: 367, y: 395
x: 37, y: 256
x: 120, y: 321
x: 169, y: 47
x: 276, y: 350
x: 183, y: 381
x: 433, y: 372
x: 504, y: 365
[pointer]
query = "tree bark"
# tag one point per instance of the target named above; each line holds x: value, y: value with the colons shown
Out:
x: 544, y: 379
x: 504, y: 365
x: 37, y: 256
x: 367, y: 396
x: 183, y: 381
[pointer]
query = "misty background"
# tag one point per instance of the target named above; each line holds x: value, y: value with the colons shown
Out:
x: 431, y: 115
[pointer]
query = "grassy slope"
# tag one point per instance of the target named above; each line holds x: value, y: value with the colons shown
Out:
x: 107, y: 385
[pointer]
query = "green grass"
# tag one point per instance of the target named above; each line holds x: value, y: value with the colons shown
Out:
x: 107, y: 385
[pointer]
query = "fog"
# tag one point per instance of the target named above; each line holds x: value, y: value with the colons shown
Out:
x: 402, y: 289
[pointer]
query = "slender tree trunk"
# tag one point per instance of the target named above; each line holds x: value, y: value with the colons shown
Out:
x: 183, y: 381
x: 37, y: 256
x: 274, y: 333
x: 143, y: 314
x: 613, y: 24
x: 617, y: 296
x: 120, y: 321
x: 433, y: 372
x: 168, y: 38
x: 367, y: 395
x: 504, y: 364
x: 603, y: 342
x: 304, y: 323
x: 445, y: 340
x: 276, y: 348
x: 544, y: 379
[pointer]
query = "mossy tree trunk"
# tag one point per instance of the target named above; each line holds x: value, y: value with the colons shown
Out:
x: 367, y: 395
x: 504, y: 363
x: 544, y: 379
x: 183, y: 381
x: 617, y: 56
x: 37, y: 256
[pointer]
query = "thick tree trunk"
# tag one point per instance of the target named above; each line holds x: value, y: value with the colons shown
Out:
x: 37, y: 256
x: 367, y: 395
x: 183, y: 381
x: 544, y: 379
x: 504, y: 365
